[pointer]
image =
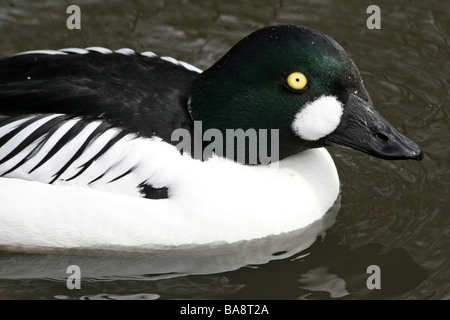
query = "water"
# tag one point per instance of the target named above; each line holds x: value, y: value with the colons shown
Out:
x: 391, y: 214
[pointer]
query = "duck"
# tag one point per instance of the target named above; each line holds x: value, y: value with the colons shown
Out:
x: 89, y: 157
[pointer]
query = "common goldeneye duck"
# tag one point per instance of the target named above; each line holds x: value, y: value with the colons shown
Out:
x: 88, y: 156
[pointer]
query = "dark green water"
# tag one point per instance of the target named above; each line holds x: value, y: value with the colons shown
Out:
x: 392, y: 214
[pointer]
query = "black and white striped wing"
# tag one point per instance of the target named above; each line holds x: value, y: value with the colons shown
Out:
x: 65, y: 115
x: 62, y: 149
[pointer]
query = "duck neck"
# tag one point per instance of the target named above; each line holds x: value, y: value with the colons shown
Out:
x: 246, y: 145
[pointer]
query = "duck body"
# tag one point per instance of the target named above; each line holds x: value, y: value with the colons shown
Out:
x: 88, y: 159
x: 268, y: 201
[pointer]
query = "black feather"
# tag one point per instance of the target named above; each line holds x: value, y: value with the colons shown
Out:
x: 132, y: 92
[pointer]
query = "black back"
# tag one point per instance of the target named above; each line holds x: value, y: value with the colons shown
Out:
x: 133, y: 92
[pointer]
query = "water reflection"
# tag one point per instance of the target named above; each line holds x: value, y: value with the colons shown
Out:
x: 319, y: 279
x: 345, y: 275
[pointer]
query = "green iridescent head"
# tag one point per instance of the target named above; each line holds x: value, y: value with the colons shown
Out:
x: 300, y: 82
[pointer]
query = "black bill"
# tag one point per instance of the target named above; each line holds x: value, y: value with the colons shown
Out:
x: 364, y: 129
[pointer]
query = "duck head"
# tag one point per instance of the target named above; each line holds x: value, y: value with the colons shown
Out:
x: 302, y: 83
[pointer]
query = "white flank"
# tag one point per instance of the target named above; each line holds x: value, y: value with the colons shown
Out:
x: 213, y: 201
x: 318, y: 118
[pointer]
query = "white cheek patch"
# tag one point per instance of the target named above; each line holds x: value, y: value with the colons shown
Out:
x: 318, y: 118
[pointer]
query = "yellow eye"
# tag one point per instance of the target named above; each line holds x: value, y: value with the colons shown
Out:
x: 297, y: 80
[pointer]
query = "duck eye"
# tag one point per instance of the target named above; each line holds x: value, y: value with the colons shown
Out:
x: 297, y: 80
